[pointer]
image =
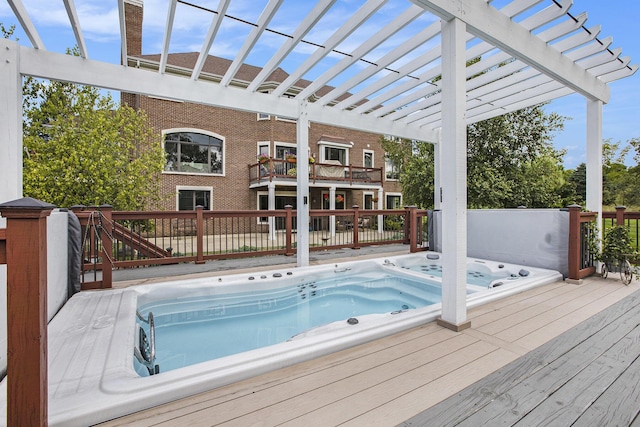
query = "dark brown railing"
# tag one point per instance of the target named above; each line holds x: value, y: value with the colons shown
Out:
x: 283, y: 169
x: 136, y: 239
x: 581, y: 260
x: 631, y: 220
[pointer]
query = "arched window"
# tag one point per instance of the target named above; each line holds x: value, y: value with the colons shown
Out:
x: 194, y: 152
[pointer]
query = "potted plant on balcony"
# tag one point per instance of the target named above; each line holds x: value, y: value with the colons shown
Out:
x: 292, y: 172
x: 311, y: 160
x: 290, y: 157
x: 263, y: 158
x: 374, y: 200
x: 339, y: 198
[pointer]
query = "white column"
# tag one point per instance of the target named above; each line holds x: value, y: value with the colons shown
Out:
x: 332, y: 206
x: 10, y: 122
x: 302, y: 191
x: 10, y: 158
x: 271, y: 205
x: 594, y: 159
x: 454, y: 176
x: 437, y: 186
x: 379, y: 206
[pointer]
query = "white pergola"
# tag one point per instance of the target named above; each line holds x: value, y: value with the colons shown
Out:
x: 526, y: 51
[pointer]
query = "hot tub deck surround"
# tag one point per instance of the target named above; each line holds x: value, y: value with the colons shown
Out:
x: 91, y: 340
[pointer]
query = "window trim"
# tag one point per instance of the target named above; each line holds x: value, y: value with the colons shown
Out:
x: 263, y: 144
x: 277, y: 144
x: 372, y: 194
x: 386, y: 161
x: 193, y: 188
x: 364, y: 156
x: 393, y: 194
x: 344, y: 146
x: 203, y: 132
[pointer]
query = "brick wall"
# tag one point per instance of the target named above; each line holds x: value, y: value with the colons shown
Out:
x: 240, y: 131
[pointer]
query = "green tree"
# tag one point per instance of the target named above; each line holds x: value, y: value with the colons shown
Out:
x: 415, y: 161
x: 511, y: 162
x: 82, y: 148
x: 578, y: 178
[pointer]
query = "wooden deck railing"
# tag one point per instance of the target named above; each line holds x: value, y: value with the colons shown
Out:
x: 283, y: 169
x: 581, y: 260
x: 631, y: 220
x: 134, y: 239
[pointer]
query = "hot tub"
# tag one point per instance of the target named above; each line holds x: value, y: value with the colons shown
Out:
x: 95, y: 374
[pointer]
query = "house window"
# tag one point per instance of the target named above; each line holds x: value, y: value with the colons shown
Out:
x: 367, y: 159
x: 193, y: 152
x: 282, y: 150
x: 189, y: 199
x: 335, y: 153
x: 391, y: 169
x: 263, y: 149
x: 394, y: 201
x: 263, y: 205
x: 263, y: 116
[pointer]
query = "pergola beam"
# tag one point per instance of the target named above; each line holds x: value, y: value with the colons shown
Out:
x: 493, y: 26
x: 75, y: 24
x: 56, y: 66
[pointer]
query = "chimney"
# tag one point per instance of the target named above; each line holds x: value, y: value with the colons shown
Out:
x: 133, y: 21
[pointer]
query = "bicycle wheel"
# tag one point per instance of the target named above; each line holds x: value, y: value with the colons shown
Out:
x: 604, y: 271
x: 626, y: 273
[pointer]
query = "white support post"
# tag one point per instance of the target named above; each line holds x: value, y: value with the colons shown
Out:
x: 332, y: 206
x: 10, y: 122
x: 454, y: 177
x: 379, y: 206
x: 437, y: 186
x: 10, y: 158
x: 594, y: 160
x: 302, y: 192
x: 271, y: 205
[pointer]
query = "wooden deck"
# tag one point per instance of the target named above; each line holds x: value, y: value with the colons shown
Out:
x: 433, y: 376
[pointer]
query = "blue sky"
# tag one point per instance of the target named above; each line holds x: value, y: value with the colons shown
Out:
x: 99, y: 21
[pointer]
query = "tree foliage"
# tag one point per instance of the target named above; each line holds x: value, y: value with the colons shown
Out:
x: 510, y: 162
x: 82, y: 148
x: 415, y: 161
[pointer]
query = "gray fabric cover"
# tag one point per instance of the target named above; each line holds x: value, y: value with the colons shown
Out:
x: 75, y: 254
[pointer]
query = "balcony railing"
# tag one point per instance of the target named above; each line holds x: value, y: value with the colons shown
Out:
x: 281, y: 169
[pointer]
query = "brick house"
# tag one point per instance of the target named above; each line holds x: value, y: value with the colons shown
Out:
x: 212, y: 153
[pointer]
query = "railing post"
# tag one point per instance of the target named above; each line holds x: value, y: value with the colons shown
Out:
x: 27, y: 381
x: 620, y: 215
x: 406, y: 227
x: 107, y: 246
x: 412, y: 219
x: 199, y: 235
x: 356, y: 226
x: 574, y: 242
x: 288, y: 222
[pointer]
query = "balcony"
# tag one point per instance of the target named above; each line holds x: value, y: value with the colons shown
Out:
x: 284, y: 171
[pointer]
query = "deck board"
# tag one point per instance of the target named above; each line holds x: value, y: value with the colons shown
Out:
x: 397, y: 378
x: 536, y: 381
